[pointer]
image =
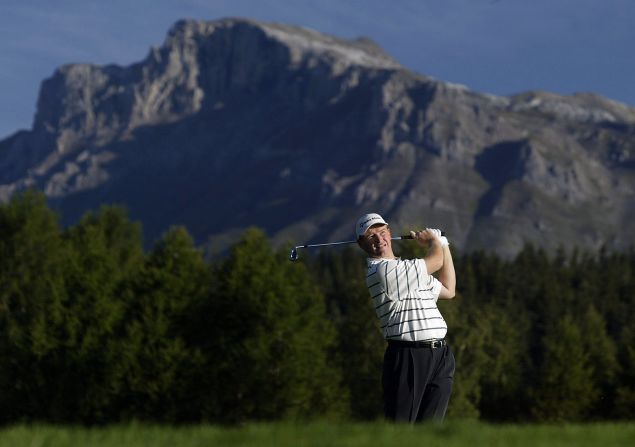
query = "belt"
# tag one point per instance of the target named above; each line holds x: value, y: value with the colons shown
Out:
x: 433, y: 344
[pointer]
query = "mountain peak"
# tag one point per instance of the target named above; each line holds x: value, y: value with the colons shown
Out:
x: 305, y: 45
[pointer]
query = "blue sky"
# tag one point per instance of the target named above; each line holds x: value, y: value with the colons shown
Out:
x: 495, y: 46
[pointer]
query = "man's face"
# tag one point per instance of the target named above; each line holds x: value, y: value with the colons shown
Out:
x: 377, y: 242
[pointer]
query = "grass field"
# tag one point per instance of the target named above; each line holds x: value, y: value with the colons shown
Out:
x: 449, y: 434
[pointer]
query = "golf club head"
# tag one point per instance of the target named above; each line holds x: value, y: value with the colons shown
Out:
x: 293, y: 256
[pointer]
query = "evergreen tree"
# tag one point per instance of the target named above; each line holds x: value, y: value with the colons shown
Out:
x: 625, y: 389
x: 162, y: 374
x: 33, y: 298
x: 105, y: 251
x: 272, y: 337
x: 360, y: 346
x: 564, y: 390
x: 468, y: 335
x: 603, y: 362
x: 487, y: 328
x: 503, y: 376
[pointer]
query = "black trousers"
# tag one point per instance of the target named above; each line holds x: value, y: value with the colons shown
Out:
x: 417, y: 382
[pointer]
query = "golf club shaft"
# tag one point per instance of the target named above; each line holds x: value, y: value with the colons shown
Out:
x: 293, y: 256
x: 346, y: 242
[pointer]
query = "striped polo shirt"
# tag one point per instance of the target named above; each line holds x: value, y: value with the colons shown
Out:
x: 405, y: 299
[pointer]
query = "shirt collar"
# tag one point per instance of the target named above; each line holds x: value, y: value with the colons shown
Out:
x: 372, y: 261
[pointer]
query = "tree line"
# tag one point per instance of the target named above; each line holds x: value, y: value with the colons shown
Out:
x: 95, y: 330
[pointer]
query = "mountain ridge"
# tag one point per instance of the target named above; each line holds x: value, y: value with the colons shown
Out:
x: 299, y: 132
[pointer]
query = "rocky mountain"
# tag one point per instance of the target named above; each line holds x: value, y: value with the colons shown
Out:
x: 236, y: 123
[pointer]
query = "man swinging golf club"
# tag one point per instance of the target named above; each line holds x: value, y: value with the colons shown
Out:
x: 418, y: 364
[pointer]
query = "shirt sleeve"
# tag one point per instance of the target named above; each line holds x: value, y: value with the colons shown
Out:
x: 424, y: 267
x: 433, y: 285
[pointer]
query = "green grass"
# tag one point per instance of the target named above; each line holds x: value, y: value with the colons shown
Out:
x: 449, y: 434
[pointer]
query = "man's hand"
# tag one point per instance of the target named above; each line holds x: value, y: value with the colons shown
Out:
x: 430, y: 238
x: 436, y: 232
x: 423, y: 237
x: 439, y: 234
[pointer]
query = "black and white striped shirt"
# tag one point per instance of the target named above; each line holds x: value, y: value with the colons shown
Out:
x: 405, y: 299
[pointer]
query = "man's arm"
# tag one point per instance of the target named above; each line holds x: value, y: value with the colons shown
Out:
x: 434, y: 256
x: 447, y: 276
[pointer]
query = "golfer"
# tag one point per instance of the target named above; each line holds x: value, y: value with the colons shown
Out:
x: 418, y: 364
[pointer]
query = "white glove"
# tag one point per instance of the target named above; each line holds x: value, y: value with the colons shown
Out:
x: 437, y: 233
x: 434, y: 231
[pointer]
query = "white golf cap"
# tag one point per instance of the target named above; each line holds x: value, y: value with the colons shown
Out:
x: 367, y: 221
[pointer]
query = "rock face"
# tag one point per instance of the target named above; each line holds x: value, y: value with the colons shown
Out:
x: 235, y: 123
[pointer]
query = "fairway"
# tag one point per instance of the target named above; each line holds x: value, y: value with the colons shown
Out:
x: 325, y: 434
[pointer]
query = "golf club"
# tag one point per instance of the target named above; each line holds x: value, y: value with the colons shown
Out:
x: 293, y: 256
